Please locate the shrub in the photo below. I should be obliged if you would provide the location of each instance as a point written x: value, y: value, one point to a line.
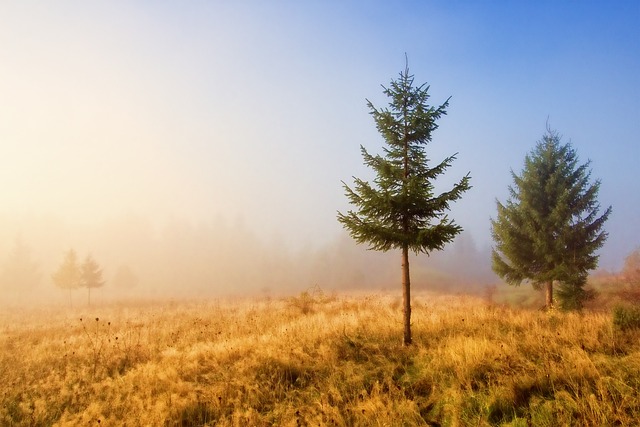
x: 307, y: 301
x: 626, y: 317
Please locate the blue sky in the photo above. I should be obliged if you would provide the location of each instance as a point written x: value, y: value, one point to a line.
x: 255, y: 111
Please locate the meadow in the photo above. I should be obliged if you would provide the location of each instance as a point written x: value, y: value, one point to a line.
x: 316, y: 359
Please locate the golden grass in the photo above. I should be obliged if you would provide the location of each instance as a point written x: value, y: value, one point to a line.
x: 316, y: 360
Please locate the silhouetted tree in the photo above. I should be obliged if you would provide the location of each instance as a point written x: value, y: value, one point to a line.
x: 90, y: 276
x: 400, y: 210
x: 549, y: 229
x: 68, y: 275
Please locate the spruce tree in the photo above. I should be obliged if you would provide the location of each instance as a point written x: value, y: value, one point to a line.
x: 400, y: 210
x: 549, y: 230
x: 90, y: 276
x: 68, y: 274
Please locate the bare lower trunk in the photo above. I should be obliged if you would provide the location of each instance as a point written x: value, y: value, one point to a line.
x: 549, y: 294
x: 406, y: 295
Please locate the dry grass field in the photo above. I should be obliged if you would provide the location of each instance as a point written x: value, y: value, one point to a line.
x: 316, y: 359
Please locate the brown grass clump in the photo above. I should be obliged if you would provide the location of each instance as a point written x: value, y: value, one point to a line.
x: 317, y: 360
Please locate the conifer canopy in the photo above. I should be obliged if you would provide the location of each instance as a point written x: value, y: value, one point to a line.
x: 67, y: 276
x: 91, y: 276
x: 400, y: 208
x: 549, y: 229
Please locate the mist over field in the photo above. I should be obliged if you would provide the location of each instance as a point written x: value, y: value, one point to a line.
x: 219, y: 258
x: 199, y: 149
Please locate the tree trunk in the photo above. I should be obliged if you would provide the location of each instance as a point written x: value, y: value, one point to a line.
x: 549, y: 295
x: 89, y: 295
x: 406, y: 295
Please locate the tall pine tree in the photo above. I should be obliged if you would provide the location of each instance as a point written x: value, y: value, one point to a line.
x: 400, y: 210
x: 549, y: 229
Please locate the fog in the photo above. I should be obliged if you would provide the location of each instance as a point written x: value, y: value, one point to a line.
x: 216, y: 259
x: 199, y: 148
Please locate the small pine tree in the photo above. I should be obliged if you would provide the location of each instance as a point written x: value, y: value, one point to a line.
x: 401, y: 211
x: 549, y: 229
x: 68, y: 274
x: 90, y: 276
